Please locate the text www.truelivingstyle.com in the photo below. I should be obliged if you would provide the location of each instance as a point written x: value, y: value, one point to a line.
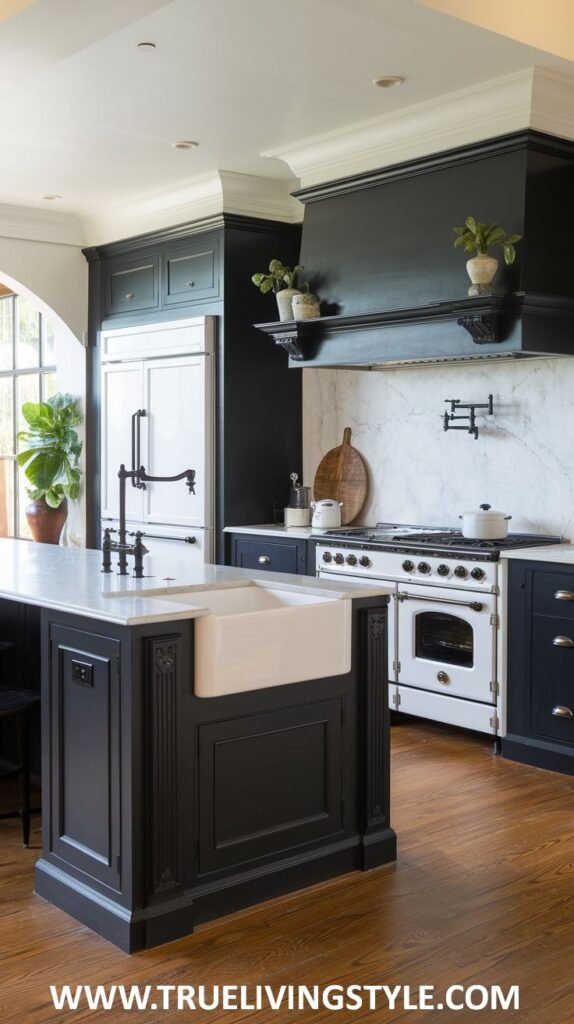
x: 284, y: 997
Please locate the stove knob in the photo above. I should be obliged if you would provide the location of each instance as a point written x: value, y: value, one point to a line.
x: 478, y: 574
x: 423, y: 567
x: 461, y: 572
x: 443, y: 570
x: 408, y: 566
x: 339, y: 558
x: 327, y: 556
x: 351, y: 559
x: 365, y: 561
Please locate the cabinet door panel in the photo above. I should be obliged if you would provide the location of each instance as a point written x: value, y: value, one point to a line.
x: 132, y: 286
x: 269, y: 782
x: 552, y: 678
x: 177, y: 429
x: 84, y: 678
x: 122, y: 395
x: 191, y: 274
x: 553, y: 594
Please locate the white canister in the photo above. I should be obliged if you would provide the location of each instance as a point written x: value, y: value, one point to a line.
x: 295, y: 517
x: 484, y: 523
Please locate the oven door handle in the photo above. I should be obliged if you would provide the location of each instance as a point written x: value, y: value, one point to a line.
x: 475, y: 606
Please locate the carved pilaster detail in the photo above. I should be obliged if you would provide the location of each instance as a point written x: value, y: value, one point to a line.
x: 162, y: 753
x: 376, y: 735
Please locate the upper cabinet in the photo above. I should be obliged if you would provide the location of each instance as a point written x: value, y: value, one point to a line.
x: 191, y: 273
x: 131, y: 286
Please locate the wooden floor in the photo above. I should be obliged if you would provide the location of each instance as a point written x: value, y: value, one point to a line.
x: 482, y: 893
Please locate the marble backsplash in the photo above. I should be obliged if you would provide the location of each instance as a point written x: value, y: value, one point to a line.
x: 522, y: 462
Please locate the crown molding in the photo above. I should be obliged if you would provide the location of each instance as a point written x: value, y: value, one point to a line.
x: 207, y: 196
x: 29, y: 224
x: 553, y: 104
x: 497, y: 107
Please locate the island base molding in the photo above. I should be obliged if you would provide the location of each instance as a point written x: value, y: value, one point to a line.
x: 162, y: 810
x: 131, y: 931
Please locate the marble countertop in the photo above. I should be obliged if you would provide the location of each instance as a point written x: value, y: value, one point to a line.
x: 278, y: 530
x: 561, y: 554
x: 70, y: 580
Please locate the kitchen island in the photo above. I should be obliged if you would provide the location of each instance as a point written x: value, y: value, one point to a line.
x: 163, y: 808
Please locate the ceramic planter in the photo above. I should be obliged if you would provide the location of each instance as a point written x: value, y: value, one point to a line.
x: 306, y: 307
x: 482, y: 270
x: 46, y: 524
x: 285, y: 302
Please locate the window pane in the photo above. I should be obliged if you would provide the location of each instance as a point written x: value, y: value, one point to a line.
x: 48, y: 385
x: 6, y: 416
x: 6, y: 321
x: 6, y: 498
x: 27, y: 390
x: 49, y: 350
x: 23, y: 501
x: 28, y: 340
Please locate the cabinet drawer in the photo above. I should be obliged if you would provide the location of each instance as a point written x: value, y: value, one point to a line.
x: 191, y: 274
x: 132, y: 286
x: 551, y: 594
x: 270, y: 555
x: 552, y: 678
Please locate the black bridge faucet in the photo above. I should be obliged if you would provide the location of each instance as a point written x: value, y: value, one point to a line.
x: 139, y: 477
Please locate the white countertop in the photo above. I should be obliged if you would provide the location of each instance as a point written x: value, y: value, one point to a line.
x: 70, y: 580
x: 278, y: 530
x: 561, y: 554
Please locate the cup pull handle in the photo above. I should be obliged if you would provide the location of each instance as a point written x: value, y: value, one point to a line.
x: 562, y: 712
x: 564, y: 595
x: 563, y: 641
x: 264, y: 560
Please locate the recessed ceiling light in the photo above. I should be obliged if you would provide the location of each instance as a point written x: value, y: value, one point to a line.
x: 185, y: 144
x: 388, y: 81
x: 146, y: 46
x: 52, y: 196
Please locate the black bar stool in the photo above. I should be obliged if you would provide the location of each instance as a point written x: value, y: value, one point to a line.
x: 18, y: 704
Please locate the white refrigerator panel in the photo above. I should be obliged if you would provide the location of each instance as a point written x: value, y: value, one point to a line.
x: 122, y: 394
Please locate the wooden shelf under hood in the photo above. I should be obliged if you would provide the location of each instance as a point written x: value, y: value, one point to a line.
x: 509, y: 325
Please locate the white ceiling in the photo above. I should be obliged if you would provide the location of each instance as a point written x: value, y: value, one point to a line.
x: 87, y: 115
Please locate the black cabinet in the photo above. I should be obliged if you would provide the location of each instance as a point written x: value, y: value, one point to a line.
x: 540, y: 727
x: 191, y: 273
x: 269, y: 782
x: 274, y: 554
x: 131, y: 286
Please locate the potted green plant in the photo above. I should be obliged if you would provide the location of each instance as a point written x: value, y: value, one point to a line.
x: 478, y: 237
x: 50, y: 458
x: 306, y: 305
x: 283, y: 281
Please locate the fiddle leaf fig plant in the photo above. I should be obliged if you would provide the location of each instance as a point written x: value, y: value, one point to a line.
x: 278, y: 277
x: 51, y: 453
x: 478, y: 237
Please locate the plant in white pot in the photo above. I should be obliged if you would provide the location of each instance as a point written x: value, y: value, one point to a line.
x: 478, y: 237
x: 306, y: 306
x: 283, y: 281
x: 50, y: 457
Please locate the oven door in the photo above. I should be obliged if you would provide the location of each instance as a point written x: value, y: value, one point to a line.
x: 446, y: 641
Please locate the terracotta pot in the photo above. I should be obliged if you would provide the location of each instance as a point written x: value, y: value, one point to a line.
x: 46, y: 524
x: 285, y: 302
x: 482, y: 270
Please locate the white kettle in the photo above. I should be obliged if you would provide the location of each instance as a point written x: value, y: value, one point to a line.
x: 326, y: 514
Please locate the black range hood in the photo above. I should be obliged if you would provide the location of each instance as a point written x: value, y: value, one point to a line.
x: 378, y: 249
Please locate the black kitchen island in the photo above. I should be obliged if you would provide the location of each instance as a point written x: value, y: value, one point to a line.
x: 163, y: 809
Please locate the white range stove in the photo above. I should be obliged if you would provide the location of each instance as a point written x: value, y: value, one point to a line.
x: 447, y: 643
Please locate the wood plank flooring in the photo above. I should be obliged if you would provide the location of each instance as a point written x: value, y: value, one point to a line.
x: 482, y: 893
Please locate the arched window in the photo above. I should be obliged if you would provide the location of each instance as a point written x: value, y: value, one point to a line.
x: 27, y: 374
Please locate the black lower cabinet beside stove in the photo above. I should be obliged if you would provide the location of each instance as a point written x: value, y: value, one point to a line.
x: 540, y: 728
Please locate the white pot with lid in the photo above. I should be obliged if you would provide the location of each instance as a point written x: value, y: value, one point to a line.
x: 484, y: 523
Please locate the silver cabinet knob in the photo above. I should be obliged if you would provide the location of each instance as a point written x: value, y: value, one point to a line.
x: 562, y: 712
x: 264, y: 560
x: 564, y: 595
x: 443, y: 677
x: 129, y: 296
x: 190, y: 284
x: 563, y: 641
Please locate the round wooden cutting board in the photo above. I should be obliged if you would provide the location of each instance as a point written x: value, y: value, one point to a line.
x: 342, y: 475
